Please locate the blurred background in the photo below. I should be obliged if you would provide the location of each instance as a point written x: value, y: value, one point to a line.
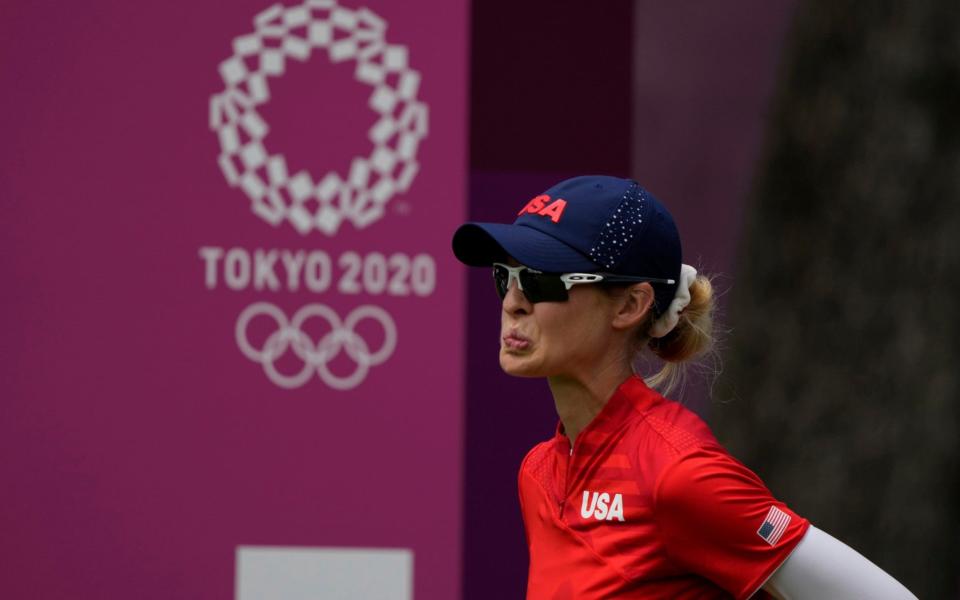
x: 809, y: 151
x: 239, y: 360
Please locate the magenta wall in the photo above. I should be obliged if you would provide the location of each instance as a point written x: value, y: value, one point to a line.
x: 140, y: 446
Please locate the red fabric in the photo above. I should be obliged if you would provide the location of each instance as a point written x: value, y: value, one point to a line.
x: 648, y: 506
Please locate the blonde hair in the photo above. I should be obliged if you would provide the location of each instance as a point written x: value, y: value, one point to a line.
x: 692, y: 339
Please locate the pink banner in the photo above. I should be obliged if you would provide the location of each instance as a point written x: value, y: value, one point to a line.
x: 231, y: 318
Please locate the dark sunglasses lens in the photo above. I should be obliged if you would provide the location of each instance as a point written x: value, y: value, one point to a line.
x: 543, y: 287
x: 501, y: 277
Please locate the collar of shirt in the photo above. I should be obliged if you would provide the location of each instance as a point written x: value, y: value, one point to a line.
x: 629, y: 401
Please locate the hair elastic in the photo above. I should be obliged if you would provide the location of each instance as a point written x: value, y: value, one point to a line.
x: 670, y: 317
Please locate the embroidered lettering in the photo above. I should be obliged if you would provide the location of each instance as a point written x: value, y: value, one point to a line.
x: 616, y: 508
x: 601, y: 507
x: 585, y: 512
x: 555, y: 210
x: 541, y: 205
x: 535, y: 205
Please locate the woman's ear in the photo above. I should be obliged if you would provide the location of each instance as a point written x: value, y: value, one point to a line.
x: 632, y: 307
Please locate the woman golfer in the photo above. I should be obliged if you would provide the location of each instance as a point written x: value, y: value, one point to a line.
x: 633, y: 497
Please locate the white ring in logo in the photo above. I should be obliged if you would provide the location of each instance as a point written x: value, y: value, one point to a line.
x: 316, y: 357
x: 345, y: 34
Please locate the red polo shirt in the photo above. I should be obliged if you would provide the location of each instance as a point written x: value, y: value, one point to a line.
x: 648, y: 505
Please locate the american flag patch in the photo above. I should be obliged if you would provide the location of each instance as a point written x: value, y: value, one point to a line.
x: 774, y: 525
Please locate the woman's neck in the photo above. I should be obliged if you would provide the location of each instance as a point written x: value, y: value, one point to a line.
x: 580, y: 399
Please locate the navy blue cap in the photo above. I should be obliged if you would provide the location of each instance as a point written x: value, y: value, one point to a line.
x: 587, y: 224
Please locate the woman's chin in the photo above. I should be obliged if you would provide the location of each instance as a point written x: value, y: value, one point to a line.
x: 519, y: 365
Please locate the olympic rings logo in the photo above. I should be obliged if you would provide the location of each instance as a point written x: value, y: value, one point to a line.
x: 316, y: 357
x: 373, y: 180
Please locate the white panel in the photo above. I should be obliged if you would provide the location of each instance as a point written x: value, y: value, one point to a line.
x: 285, y: 573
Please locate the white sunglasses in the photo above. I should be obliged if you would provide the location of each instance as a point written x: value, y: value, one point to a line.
x: 538, y: 286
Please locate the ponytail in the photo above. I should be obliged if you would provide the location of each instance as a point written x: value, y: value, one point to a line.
x: 693, y: 337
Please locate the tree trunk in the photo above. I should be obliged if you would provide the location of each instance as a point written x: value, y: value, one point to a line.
x: 841, y: 386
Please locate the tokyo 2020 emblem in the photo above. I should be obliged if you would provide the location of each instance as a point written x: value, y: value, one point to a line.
x: 294, y: 33
x: 319, y: 202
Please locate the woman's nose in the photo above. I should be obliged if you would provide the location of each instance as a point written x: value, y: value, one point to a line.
x: 515, y: 302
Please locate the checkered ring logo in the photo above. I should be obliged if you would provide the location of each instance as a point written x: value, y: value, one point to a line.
x: 293, y: 33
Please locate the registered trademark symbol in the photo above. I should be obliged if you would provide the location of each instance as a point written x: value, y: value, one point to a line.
x: 402, y: 207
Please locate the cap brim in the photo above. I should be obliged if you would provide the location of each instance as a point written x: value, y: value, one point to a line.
x: 482, y: 244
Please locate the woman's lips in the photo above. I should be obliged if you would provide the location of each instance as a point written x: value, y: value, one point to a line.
x: 515, y: 341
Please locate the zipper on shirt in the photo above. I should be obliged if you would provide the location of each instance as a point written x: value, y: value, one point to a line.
x: 566, y: 482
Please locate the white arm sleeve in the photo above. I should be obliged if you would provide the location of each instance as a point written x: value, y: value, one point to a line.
x: 822, y: 566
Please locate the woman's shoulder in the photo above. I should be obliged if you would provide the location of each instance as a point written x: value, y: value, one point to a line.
x: 665, y: 433
x: 659, y: 422
x: 538, y: 456
x: 674, y: 427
